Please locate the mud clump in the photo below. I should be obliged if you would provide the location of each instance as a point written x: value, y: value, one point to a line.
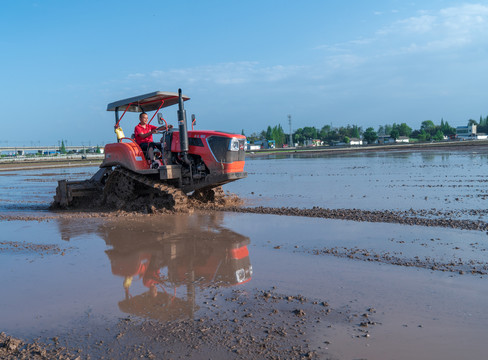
x: 14, y: 349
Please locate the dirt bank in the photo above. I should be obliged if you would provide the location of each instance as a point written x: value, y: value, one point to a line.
x: 15, y: 165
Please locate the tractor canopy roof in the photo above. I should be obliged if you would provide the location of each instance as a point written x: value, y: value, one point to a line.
x: 147, y: 102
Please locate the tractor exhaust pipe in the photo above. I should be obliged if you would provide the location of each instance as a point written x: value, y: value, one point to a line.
x: 182, y: 128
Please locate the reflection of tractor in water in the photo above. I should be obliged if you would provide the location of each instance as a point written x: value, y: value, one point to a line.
x: 185, y: 257
x: 195, y: 161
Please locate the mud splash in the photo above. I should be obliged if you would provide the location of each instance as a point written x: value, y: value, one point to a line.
x: 120, y: 195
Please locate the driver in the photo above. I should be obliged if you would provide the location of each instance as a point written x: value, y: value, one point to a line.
x: 143, y: 133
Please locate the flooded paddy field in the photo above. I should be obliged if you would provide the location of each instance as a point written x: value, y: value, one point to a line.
x: 319, y: 262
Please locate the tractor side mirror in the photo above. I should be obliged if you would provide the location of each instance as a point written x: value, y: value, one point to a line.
x: 193, y: 119
x: 160, y: 119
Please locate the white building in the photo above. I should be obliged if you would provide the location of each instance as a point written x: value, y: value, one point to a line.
x: 355, y: 141
x: 466, y: 132
x: 402, y: 139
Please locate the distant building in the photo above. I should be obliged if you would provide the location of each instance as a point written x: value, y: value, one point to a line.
x: 466, y: 132
x: 355, y: 142
x: 402, y: 139
x: 314, y: 142
x: 385, y: 139
x: 252, y: 147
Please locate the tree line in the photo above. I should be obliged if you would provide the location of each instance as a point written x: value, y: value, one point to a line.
x: 328, y: 134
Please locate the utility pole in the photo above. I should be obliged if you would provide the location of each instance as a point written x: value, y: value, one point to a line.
x: 290, y: 140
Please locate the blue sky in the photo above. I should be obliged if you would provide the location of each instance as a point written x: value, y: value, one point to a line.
x: 245, y: 64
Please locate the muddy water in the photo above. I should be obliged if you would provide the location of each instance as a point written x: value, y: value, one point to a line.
x: 393, y: 291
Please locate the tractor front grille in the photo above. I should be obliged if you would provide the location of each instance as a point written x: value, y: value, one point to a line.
x: 221, y: 149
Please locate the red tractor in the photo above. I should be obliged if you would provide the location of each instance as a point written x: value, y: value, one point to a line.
x: 191, y: 162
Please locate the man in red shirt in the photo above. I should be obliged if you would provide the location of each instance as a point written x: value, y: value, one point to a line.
x: 143, y: 133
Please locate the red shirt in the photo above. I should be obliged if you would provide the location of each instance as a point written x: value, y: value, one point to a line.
x: 140, y: 130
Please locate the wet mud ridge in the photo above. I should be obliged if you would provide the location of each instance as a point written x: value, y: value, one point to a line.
x: 220, y: 201
x: 384, y: 216
x: 459, y: 266
x: 25, y: 247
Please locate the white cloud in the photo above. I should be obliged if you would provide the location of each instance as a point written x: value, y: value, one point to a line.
x: 135, y: 76
x: 445, y: 29
x: 459, y: 28
x: 233, y: 73
x: 376, y: 63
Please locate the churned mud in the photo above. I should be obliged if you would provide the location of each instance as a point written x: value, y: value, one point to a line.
x: 13, y: 349
x: 253, y: 324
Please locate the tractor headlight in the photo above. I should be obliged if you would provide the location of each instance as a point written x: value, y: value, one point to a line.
x: 240, y: 275
x: 234, y: 145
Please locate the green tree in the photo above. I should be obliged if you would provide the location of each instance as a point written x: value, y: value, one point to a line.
x: 253, y: 137
x: 62, y: 148
x: 324, y: 132
x: 438, y: 136
x: 355, y: 131
x: 269, y: 133
x: 310, y: 132
x: 428, y: 126
x: 394, y: 133
x: 423, y: 135
x: 403, y: 129
x: 483, y: 125
x: 446, y: 128
x: 278, y: 135
x: 370, y: 135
